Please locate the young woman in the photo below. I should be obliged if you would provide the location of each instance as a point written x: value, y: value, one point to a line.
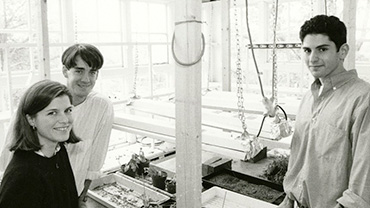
x: 39, y: 174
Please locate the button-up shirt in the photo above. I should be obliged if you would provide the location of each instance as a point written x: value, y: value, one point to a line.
x: 330, y: 149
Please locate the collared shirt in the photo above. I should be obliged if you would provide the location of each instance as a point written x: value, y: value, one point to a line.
x: 330, y: 148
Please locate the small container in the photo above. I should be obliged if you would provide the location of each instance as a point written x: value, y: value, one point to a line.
x: 128, y: 171
x: 261, y: 155
x: 171, y: 186
x: 159, y: 181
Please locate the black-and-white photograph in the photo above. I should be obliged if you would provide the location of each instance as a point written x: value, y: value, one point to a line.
x: 184, y: 104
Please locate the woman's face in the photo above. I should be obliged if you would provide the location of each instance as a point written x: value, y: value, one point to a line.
x: 54, y: 122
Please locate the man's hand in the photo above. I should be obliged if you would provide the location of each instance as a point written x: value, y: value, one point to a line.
x: 287, y: 203
x: 269, y: 106
x: 86, y: 188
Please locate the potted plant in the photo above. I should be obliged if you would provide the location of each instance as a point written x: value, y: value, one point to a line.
x: 276, y: 170
x: 171, y: 185
x: 131, y: 167
x: 158, y: 177
x: 142, y: 162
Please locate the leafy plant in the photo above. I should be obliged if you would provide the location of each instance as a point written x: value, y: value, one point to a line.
x: 276, y: 170
x: 171, y: 185
x: 131, y: 167
x: 156, y: 172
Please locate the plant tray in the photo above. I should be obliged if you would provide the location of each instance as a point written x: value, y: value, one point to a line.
x: 217, y: 197
x: 147, y: 182
x: 246, y: 185
x: 116, y: 191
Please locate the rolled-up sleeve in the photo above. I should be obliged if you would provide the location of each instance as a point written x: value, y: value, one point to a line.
x: 358, y: 192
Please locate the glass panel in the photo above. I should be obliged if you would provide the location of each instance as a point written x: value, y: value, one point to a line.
x: 15, y: 14
x: 363, y: 52
x: 159, y: 54
x: 140, y: 55
x: 139, y: 17
x: 54, y: 16
x: 157, y: 18
x: 109, y: 37
x: 19, y: 59
x: 158, y: 38
x: 15, y: 37
x: 86, y: 14
x: 109, y: 16
x: 112, y: 55
x: 87, y: 37
x: 55, y: 59
x: 55, y: 37
x: 140, y: 37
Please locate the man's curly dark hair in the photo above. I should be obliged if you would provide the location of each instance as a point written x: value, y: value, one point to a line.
x: 326, y: 25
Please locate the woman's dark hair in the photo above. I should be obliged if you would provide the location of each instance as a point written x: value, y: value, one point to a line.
x: 88, y: 53
x: 327, y: 25
x: 35, y: 99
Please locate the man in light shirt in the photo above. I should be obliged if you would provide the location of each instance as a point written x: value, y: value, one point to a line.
x: 329, y: 162
x: 92, y: 113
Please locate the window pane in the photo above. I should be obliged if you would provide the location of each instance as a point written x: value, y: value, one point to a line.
x: 87, y: 37
x: 109, y: 37
x: 112, y: 55
x: 54, y: 16
x: 55, y: 59
x: 141, y: 55
x: 109, y: 16
x: 158, y: 38
x: 158, y: 18
x: 14, y: 14
x: 160, y: 54
x: 86, y: 15
x: 139, y: 17
x: 19, y: 59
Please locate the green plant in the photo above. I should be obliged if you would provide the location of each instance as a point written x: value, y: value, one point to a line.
x: 131, y: 167
x: 276, y: 170
x: 171, y: 185
x: 153, y: 171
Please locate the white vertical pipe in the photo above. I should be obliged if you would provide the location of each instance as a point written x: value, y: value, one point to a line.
x: 226, y: 51
x: 43, y: 42
x: 349, y: 18
x: 9, y: 80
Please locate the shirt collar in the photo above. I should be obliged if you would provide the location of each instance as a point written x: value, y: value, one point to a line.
x: 334, y: 82
x: 57, y: 148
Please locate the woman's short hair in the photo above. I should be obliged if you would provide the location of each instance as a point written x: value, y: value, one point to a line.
x: 35, y: 99
x: 88, y: 53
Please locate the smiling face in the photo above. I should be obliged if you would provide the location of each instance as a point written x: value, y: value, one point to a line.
x: 321, y: 56
x: 80, y: 80
x: 54, y: 122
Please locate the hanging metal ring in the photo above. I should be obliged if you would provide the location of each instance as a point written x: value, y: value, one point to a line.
x: 182, y: 63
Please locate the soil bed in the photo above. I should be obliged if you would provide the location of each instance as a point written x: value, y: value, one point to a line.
x: 244, y: 184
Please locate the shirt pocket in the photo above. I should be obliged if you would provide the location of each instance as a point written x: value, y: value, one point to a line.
x: 330, y: 142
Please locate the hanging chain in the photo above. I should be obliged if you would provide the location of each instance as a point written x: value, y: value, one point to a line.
x: 75, y: 22
x: 274, y: 59
x: 312, y: 10
x: 136, y: 70
x: 210, y: 47
x: 239, y: 75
